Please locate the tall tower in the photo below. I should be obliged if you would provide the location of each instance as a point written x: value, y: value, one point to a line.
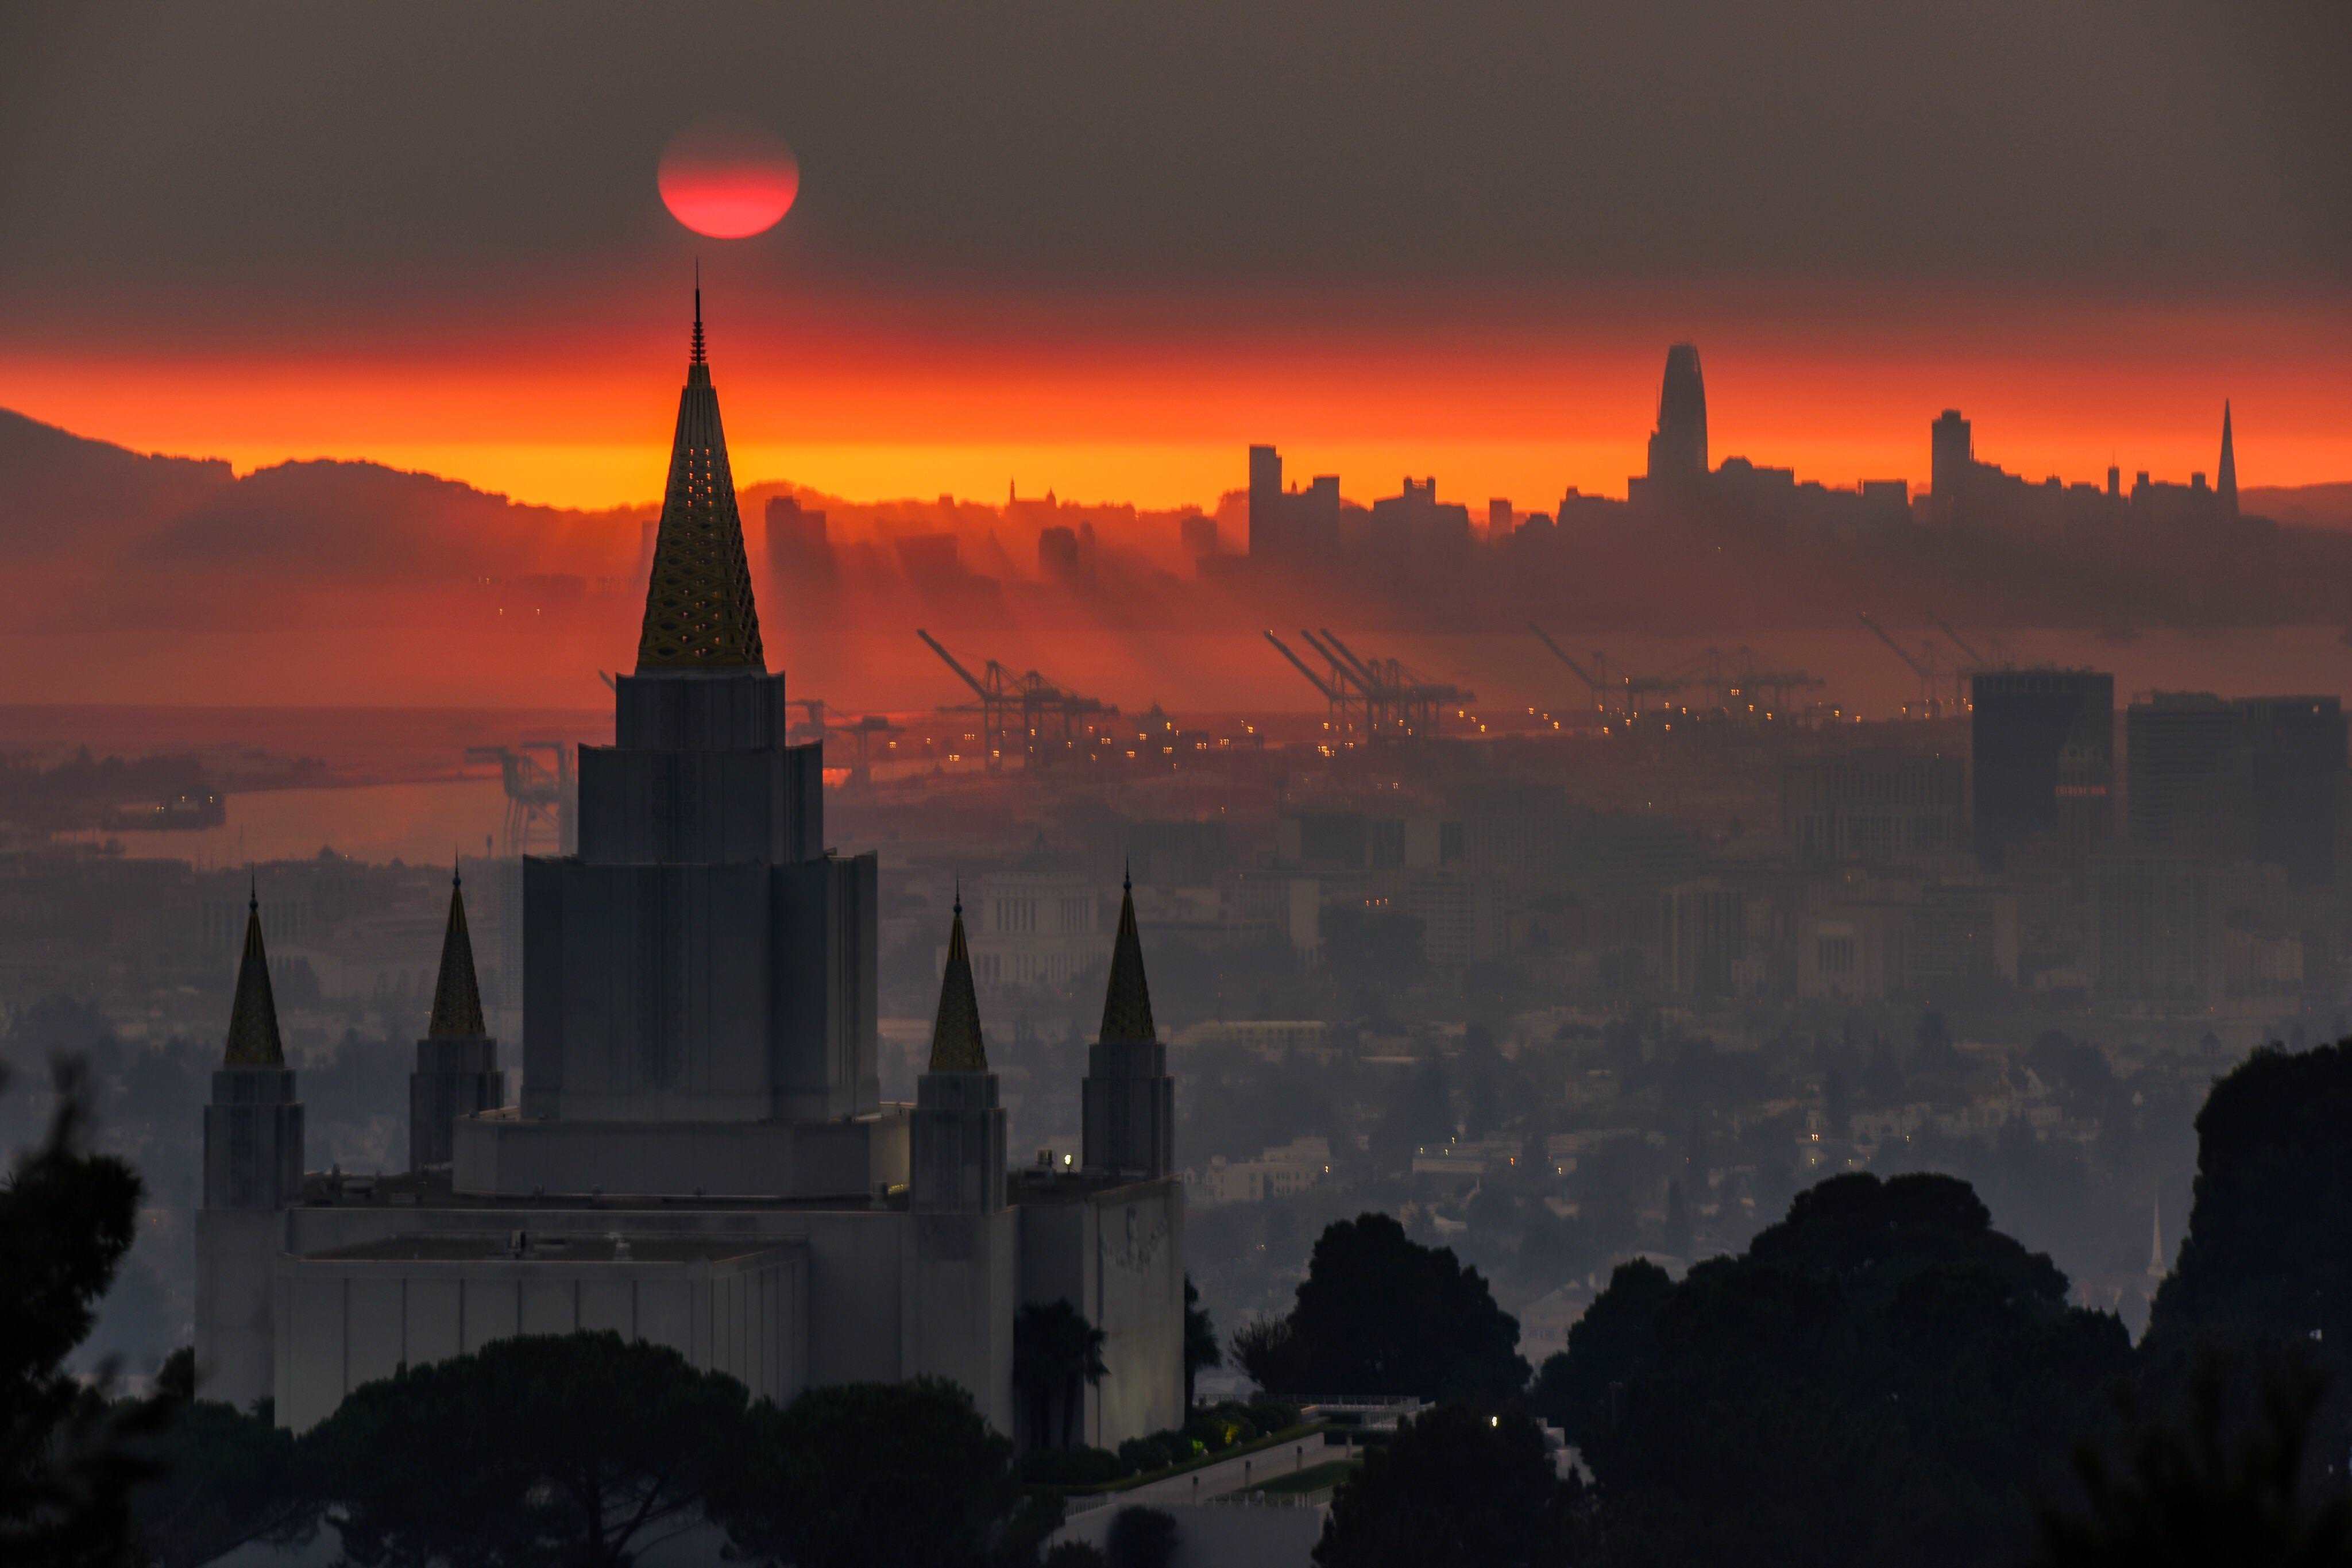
x: 253, y: 1173
x: 1952, y: 458
x: 457, y: 1061
x: 1129, y: 1101
x: 957, y: 1133
x: 2225, y: 485
x: 702, y: 963
x: 1267, y: 536
x: 1678, y: 446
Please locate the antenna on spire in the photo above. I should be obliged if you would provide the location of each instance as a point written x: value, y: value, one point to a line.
x: 697, y: 313
x: 253, y: 890
x: 958, y: 893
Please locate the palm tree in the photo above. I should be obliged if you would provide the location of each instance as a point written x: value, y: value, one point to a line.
x: 1055, y: 1353
x: 1201, y: 1348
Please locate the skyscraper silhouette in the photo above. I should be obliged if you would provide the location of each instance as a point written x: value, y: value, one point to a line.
x: 1678, y: 446
x: 2226, y: 483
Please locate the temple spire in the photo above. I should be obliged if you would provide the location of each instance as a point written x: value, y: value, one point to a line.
x: 699, y: 612
x: 1127, y: 1007
x: 458, y: 996
x: 956, y: 1044
x: 252, y: 1039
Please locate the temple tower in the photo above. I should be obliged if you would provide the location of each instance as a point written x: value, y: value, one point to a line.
x: 702, y: 959
x: 1128, y: 1099
x: 963, y: 1267
x: 253, y: 1173
x: 457, y: 1061
x: 957, y: 1131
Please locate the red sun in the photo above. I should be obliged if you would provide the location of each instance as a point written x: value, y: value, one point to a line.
x: 728, y: 180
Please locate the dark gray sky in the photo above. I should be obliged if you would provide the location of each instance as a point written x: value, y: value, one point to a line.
x: 2122, y: 145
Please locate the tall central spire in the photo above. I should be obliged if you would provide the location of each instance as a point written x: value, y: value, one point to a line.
x: 699, y: 612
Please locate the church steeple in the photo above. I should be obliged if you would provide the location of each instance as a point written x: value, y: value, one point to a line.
x: 252, y: 1039
x: 956, y: 1043
x: 699, y: 611
x: 1127, y: 1006
x: 458, y: 996
x: 2225, y: 483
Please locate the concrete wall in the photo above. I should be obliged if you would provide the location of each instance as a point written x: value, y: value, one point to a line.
x: 844, y: 1161
x: 235, y: 1251
x: 856, y: 1274
x: 961, y: 1273
x: 1118, y: 1254
x: 343, y: 1322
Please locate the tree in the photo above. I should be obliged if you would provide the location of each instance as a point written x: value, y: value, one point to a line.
x: 224, y: 1477
x: 1456, y: 1489
x: 1881, y: 1376
x: 1140, y: 1538
x: 873, y: 1475
x: 1614, y: 1339
x: 580, y: 1450
x: 2263, y: 1265
x: 1379, y: 1313
x: 1200, y: 1351
x: 2187, y: 1496
x: 69, y: 1458
x: 1056, y: 1354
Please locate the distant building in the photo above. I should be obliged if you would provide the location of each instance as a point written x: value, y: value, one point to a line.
x: 2225, y: 484
x: 1678, y: 444
x: 1030, y: 928
x: 1881, y: 808
x: 1952, y: 464
x: 2260, y: 778
x: 2042, y: 751
x: 1291, y: 526
x: 1703, y: 938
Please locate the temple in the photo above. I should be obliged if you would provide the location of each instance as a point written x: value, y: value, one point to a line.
x: 699, y: 1154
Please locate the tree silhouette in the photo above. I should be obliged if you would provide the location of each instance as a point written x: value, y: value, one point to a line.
x: 69, y: 1458
x: 1380, y: 1314
x: 1201, y: 1350
x: 871, y: 1475
x: 1056, y: 1354
x: 2187, y: 1496
x: 1456, y: 1489
x: 579, y: 1449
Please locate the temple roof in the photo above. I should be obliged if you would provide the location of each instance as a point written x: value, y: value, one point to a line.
x: 456, y: 996
x: 699, y: 612
x: 252, y: 1039
x: 956, y: 1044
x: 1127, y: 1007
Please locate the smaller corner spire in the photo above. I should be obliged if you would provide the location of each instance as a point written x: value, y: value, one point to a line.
x: 1127, y: 1004
x: 252, y: 1039
x: 456, y: 993
x: 956, y: 1043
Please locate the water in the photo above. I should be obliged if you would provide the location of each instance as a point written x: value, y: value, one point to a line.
x: 416, y: 821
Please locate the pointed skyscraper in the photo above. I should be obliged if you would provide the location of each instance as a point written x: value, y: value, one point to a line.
x: 1678, y: 444
x: 699, y: 613
x: 457, y: 1061
x: 253, y: 1172
x: 2225, y: 485
x: 1129, y: 1101
x: 958, y: 1132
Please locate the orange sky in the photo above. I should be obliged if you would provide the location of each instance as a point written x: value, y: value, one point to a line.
x: 866, y: 394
